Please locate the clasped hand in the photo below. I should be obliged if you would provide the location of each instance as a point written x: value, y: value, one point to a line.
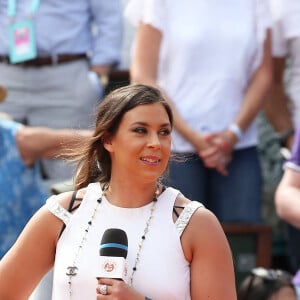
x: 216, y: 150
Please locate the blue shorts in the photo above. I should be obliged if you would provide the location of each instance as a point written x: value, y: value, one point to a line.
x: 235, y: 198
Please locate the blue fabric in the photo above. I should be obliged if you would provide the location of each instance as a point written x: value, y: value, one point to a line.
x: 22, y: 189
x: 233, y: 198
x: 64, y: 27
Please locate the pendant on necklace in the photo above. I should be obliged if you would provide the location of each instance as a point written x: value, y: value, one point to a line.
x: 71, y: 271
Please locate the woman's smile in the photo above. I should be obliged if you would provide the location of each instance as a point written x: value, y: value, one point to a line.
x: 151, y: 160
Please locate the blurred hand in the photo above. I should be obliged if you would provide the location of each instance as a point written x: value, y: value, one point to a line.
x: 217, y: 152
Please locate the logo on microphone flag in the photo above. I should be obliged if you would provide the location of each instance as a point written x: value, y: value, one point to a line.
x: 112, y: 267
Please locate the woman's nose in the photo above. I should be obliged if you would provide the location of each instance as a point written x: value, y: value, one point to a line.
x: 154, y: 140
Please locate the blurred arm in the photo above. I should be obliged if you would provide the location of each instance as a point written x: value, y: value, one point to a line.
x: 276, y: 107
x: 42, y: 142
x: 257, y: 90
x: 287, y: 197
x: 107, y: 39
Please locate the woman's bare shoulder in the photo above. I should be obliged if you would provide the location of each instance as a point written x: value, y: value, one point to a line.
x: 64, y: 199
x: 201, y: 219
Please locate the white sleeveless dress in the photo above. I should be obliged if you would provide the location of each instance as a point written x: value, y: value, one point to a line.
x: 162, y: 273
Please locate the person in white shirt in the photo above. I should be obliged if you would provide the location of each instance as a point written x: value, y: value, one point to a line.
x: 283, y: 107
x: 214, y: 64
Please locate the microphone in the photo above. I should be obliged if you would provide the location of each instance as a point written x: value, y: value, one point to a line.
x: 113, y: 253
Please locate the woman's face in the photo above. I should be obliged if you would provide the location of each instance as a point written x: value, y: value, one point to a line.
x: 141, y: 146
x: 285, y: 293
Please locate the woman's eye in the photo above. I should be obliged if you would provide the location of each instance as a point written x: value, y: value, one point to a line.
x: 165, y: 132
x: 140, y: 130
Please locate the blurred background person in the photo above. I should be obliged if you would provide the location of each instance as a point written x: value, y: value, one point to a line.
x: 214, y: 65
x: 55, y: 68
x: 267, y: 284
x: 23, y: 190
x: 21, y: 184
x: 282, y: 110
x: 287, y: 199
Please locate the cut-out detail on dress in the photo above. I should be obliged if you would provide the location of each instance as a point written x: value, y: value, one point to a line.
x: 55, y: 208
x: 186, y: 215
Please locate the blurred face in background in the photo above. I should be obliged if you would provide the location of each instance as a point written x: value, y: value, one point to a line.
x: 284, y: 293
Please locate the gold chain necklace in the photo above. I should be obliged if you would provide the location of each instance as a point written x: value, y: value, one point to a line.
x: 72, y: 270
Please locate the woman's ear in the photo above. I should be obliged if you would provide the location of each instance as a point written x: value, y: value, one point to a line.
x: 107, y: 144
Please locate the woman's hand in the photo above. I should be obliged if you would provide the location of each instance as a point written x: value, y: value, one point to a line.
x: 116, y: 289
x: 217, y: 152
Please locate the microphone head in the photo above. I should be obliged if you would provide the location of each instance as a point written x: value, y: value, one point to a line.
x: 114, y: 243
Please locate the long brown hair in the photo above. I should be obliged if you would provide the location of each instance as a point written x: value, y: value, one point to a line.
x: 93, y: 160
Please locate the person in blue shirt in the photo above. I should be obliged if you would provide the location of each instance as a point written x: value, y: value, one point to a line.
x: 23, y: 189
x: 54, y: 58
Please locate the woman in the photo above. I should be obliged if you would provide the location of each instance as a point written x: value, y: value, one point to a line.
x: 288, y: 191
x: 118, y: 182
x: 213, y: 63
x: 286, y: 198
x: 283, y: 108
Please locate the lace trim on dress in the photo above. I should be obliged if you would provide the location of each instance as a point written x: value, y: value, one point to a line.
x: 56, y: 209
x: 186, y: 215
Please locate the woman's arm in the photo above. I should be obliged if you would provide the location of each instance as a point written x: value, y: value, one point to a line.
x: 41, y: 142
x: 257, y: 90
x: 31, y: 256
x: 287, y: 197
x: 206, y: 247
x: 276, y: 107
